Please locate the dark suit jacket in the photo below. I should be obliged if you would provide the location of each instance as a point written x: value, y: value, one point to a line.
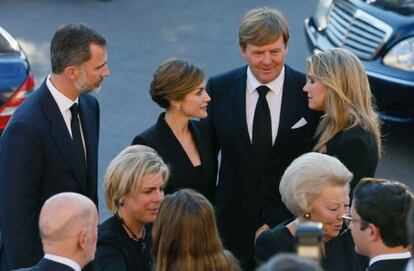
x: 38, y: 159
x: 47, y: 265
x: 246, y: 196
x: 161, y: 138
x: 389, y: 265
x: 357, y: 150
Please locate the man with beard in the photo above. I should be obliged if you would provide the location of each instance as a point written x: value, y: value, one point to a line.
x: 51, y: 143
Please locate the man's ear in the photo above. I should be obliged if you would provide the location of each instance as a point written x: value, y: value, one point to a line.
x: 82, y: 240
x: 71, y: 72
x: 374, y: 232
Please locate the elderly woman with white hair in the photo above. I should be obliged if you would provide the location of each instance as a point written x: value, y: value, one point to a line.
x: 315, y: 187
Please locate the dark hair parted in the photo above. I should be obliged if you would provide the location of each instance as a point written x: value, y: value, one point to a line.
x: 70, y: 45
x: 385, y: 204
x: 185, y: 235
x: 173, y: 80
x: 262, y: 26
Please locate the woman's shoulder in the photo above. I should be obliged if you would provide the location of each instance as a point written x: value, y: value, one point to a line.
x: 277, y: 240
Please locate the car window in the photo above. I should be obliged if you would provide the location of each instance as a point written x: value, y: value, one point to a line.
x: 5, y: 47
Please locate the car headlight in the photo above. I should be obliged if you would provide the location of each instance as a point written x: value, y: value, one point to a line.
x: 401, y: 56
x: 321, y: 14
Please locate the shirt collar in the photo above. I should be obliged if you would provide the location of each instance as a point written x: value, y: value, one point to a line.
x: 63, y: 260
x: 275, y: 86
x: 391, y: 256
x: 63, y: 102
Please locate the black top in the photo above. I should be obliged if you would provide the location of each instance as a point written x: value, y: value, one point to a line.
x: 116, y: 251
x: 357, y: 150
x: 183, y: 174
x: 340, y: 253
x: 389, y: 265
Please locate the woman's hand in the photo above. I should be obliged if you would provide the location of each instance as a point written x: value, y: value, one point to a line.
x: 260, y: 230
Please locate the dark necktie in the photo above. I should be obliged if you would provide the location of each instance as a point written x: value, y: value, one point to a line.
x: 262, y: 128
x: 76, y: 133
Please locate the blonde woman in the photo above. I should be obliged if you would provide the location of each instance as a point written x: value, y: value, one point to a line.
x: 134, y: 189
x: 185, y: 236
x: 179, y: 87
x: 349, y: 130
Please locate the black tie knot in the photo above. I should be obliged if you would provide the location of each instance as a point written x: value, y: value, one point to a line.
x: 74, y: 110
x: 263, y: 90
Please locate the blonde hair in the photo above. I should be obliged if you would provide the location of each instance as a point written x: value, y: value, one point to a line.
x: 173, y: 80
x: 126, y: 171
x: 185, y: 236
x: 348, y: 101
x: 262, y: 26
x: 305, y: 178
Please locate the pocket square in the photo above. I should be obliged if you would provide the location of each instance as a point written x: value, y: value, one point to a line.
x: 300, y: 123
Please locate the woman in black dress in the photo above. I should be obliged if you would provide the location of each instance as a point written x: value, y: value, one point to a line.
x: 179, y: 87
x: 315, y: 187
x: 134, y: 189
x: 349, y: 130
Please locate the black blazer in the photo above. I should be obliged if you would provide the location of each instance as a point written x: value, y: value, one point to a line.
x: 340, y: 252
x: 183, y: 175
x: 357, y: 150
x: 38, y: 159
x: 116, y: 251
x: 389, y: 265
x: 246, y: 196
x: 47, y: 265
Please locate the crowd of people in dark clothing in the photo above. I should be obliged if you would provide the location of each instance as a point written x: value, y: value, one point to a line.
x: 224, y: 178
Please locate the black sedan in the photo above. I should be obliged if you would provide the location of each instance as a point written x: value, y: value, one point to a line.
x: 381, y: 34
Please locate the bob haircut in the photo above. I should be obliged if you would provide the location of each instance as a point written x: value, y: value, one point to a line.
x: 173, y: 80
x: 126, y: 171
x: 185, y: 235
x: 262, y: 26
x: 306, y: 177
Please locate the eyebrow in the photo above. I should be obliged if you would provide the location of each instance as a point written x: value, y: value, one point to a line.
x: 106, y: 62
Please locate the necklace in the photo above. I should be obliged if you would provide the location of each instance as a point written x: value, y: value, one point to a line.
x: 130, y: 233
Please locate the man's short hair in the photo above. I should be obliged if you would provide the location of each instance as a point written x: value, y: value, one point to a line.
x: 70, y: 45
x: 385, y: 204
x: 262, y: 26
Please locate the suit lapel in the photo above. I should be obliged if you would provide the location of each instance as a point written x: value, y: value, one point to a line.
x: 173, y: 147
x: 89, y: 133
x: 60, y: 135
x: 289, y: 107
x: 240, y: 117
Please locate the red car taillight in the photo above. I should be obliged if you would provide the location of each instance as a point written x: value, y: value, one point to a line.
x: 7, y: 110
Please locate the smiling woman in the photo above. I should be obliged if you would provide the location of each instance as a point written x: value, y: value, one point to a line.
x: 315, y: 188
x: 134, y: 189
x: 179, y: 87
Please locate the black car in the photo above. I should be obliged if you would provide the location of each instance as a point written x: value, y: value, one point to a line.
x: 16, y: 78
x: 381, y: 34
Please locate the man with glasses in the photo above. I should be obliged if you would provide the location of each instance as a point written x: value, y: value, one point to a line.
x: 377, y: 222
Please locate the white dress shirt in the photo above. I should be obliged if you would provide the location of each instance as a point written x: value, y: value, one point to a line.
x: 391, y: 256
x: 72, y: 264
x: 64, y: 104
x: 273, y: 98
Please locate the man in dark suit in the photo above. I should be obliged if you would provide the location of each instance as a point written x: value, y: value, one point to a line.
x: 68, y: 226
x: 378, y: 223
x: 51, y: 143
x: 259, y: 120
